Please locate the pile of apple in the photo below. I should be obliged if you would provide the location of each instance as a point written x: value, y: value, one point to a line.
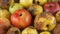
x: 29, y: 16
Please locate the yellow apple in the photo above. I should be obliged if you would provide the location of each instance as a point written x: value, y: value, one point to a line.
x: 29, y: 31
x: 41, y: 2
x: 58, y: 16
x: 35, y: 9
x: 45, y: 32
x: 26, y: 3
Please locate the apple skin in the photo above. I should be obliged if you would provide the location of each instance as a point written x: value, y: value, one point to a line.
x: 14, y: 7
x: 52, y: 7
x: 14, y: 30
x: 40, y: 2
x: 5, y: 13
x: 6, y: 3
x: 29, y: 31
x: 21, y: 18
x: 35, y: 9
x: 4, y: 25
x: 45, y: 32
x: 58, y: 16
x: 45, y: 21
x: 26, y: 3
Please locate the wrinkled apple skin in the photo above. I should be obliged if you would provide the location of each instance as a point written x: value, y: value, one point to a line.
x: 4, y: 13
x: 26, y: 3
x: 29, y: 31
x: 58, y: 16
x: 45, y: 32
x: 21, y: 18
x: 45, y: 21
x: 35, y: 9
x: 40, y: 2
x: 13, y: 30
x: 6, y: 3
x: 51, y: 7
x: 14, y: 7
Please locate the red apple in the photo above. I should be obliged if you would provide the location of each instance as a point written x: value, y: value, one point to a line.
x: 21, y: 18
x: 52, y: 7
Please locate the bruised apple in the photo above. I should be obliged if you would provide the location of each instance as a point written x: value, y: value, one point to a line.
x: 4, y: 25
x: 45, y: 21
x: 13, y: 30
x: 35, y: 9
x: 29, y: 31
x: 4, y: 13
x: 6, y: 3
x: 21, y: 18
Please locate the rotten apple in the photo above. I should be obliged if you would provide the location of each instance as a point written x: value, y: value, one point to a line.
x: 6, y: 3
x: 21, y: 18
x: 14, y: 30
x: 52, y: 7
x: 35, y: 9
x: 45, y: 21
x: 4, y: 25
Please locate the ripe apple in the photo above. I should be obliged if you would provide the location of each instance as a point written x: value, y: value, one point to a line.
x: 13, y: 30
x: 58, y: 16
x: 26, y: 3
x: 14, y: 7
x: 52, y: 7
x: 4, y: 25
x: 6, y: 3
x: 35, y: 9
x: 21, y: 18
x: 45, y: 21
x: 4, y: 13
x: 45, y: 32
x: 40, y: 2
x: 29, y: 31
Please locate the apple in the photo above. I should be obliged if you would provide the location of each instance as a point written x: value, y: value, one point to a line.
x: 58, y: 16
x: 21, y: 18
x: 54, y: 1
x: 6, y: 3
x: 26, y: 3
x: 45, y: 32
x: 4, y: 25
x: 29, y: 30
x: 45, y: 21
x: 40, y: 2
x: 4, y: 13
x: 14, y: 7
x: 14, y: 30
x: 35, y: 9
x: 52, y: 7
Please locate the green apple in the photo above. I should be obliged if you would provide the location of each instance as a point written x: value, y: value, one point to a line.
x: 26, y: 3
x: 4, y: 13
x: 41, y: 2
x: 14, y: 7
x: 35, y: 9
